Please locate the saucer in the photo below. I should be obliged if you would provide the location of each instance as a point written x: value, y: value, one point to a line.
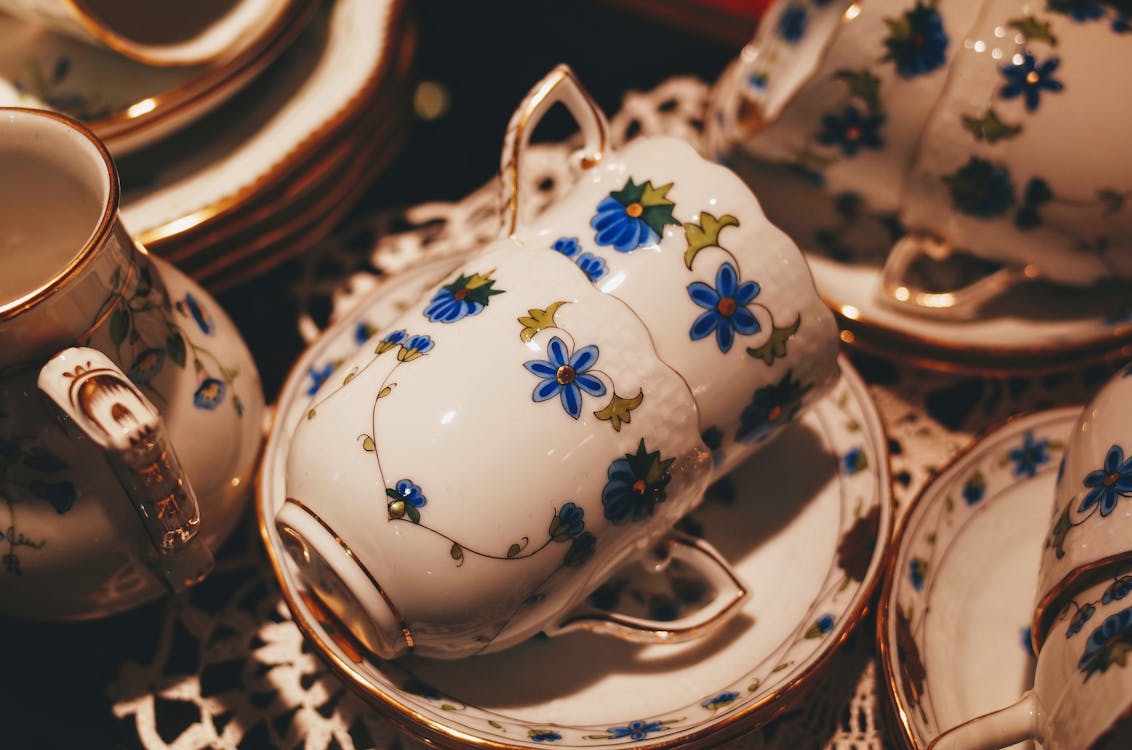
x: 810, y: 541
x: 126, y: 103
x: 954, y: 617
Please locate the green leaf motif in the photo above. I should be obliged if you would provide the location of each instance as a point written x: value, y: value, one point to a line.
x: 862, y: 85
x: 457, y: 553
x: 119, y: 325
x: 1060, y: 531
x: 619, y: 410
x: 775, y: 346
x: 1033, y: 29
x: 538, y: 320
x: 476, y: 287
x: 705, y: 234
x: 412, y: 512
x: 988, y: 127
x: 656, y: 209
x: 370, y: 447
x: 513, y: 550
x: 175, y: 347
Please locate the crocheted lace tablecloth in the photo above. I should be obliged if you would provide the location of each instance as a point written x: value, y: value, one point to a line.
x: 231, y: 669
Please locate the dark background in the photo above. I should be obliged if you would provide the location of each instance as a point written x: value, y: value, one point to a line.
x: 486, y: 55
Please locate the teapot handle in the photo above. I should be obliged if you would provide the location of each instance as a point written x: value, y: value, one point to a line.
x: 730, y: 593
x: 1001, y: 728
x: 103, y: 404
x: 559, y: 86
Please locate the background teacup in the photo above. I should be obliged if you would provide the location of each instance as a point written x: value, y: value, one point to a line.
x: 1091, y: 528
x: 1082, y: 692
x: 952, y: 126
x: 190, y: 33
x: 542, y: 410
x: 97, y: 513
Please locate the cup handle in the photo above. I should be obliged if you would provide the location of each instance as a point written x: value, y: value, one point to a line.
x: 559, y: 86
x: 1001, y: 728
x: 960, y: 303
x: 102, y: 403
x: 707, y: 562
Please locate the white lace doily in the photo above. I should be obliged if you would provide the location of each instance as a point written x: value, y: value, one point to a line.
x: 255, y: 683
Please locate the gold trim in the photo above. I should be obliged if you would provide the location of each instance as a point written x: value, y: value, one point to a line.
x: 1060, y: 593
x: 406, y: 633
x: 414, y: 724
x: 887, y: 656
x: 294, y: 159
x: 98, y: 237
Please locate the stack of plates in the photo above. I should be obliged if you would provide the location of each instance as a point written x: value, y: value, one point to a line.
x: 223, y: 185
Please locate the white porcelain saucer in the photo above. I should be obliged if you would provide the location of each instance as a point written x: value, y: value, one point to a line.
x: 126, y: 103
x: 807, y: 522
x: 954, y: 616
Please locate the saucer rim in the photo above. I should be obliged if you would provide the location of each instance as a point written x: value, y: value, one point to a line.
x: 417, y: 725
x: 898, y: 711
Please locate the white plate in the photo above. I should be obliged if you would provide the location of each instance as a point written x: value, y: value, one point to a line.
x: 954, y: 618
x: 808, y: 528
x: 126, y: 103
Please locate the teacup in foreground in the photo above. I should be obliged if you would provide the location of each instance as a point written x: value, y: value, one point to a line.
x: 125, y: 497
x: 553, y: 407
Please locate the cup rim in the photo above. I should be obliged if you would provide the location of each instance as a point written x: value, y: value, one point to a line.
x: 82, y: 258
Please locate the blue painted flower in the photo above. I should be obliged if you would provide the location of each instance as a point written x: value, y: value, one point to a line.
x: 414, y: 347
x: 635, y: 730
x: 581, y: 550
x: 1029, y: 79
x: 726, y: 305
x: 1080, y: 617
x: 771, y: 405
x: 825, y: 624
x: 1027, y: 640
x: 852, y: 130
x: 633, y: 216
x: 757, y: 81
x: 981, y: 188
x: 391, y: 340
x: 917, y: 572
x: 544, y: 735
x: 568, y: 246
x: 467, y: 295
x: 719, y: 701
x: 1036, y: 195
x: 1109, y: 483
x: 411, y: 493
x: 318, y: 376
x: 592, y: 266
x: 1107, y: 645
x: 637, y: 483
x: 1029, y: 456
x: 405, y: 499
x: 1117, y: 590
x: 362, y: 332
x: 917, y: 43
x: 567, y: 523
x: 1079, y: 10
x: 199, y: 314
x: 855, y: 460
x: 974, y: 488
x: 209, y: 393
x: 147, y: 365
x: 792, y: 24
x: 565, y: 375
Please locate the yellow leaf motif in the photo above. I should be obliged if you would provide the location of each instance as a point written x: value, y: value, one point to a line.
x: 705, y: 234
x: 479, y: 279
x: 368, y: 445
x: 538, y: 320
x: 617, y: 411
x: 386, y: 391
x: 656, y: 196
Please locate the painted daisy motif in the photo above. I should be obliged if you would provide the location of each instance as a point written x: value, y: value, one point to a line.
x: 564, y: 374
x: 726, y: 306
x: 633, y: 216
x: 467, y: 295
x: 1109, y: 483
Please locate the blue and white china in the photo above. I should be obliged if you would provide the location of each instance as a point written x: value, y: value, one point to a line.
x: 124, y: 499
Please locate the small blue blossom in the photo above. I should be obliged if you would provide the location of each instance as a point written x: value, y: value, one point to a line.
x: 568, y: 246
x: 592, y: 266
x: 567, y: 523
x: 792, y: 24
x: 1080, y: 617
x: 318, y: 376
x: 757, y: 81
x: 411, y: 493
x: 1079, y: 10
x: 565, y: 375
x: 362, y: 332
x: 917, y: 43
x: 1108, y: 644
x: 544, y: 735
x: 719, y: 701
x: 390, y: 341
x: 981, y: 188
x: 917, y: 572
x: 1029, y: 456
x: 467, y: 295
x: 209, y: 393
x: 974, y: 488
x: 854, y: 461
x: 1027, y: 640
x: 1109, y: 483
x: 1029, y: 79
x: 825, y: 624
x: 414, y: 347
x: 726, y: 305
x: 635, y: 730
x: 852, y: 131
x: 1117, y: 590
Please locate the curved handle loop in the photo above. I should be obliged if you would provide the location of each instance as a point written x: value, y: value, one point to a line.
x: 955, y: 304
x: 559, y: 86
x: 1001, y: 728
x: 110, y: 410
x: 730, y: 593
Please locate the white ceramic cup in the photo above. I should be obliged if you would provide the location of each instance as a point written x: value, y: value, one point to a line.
x: 529, y: 425
x: 1082, y: 692
x: 181, y: 33
x: 957, y: 122
x: 1091, y: 525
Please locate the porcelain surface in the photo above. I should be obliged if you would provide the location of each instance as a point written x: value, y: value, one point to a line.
x: 127, y: 103
x: 579, y: 690
x: 954, y: 619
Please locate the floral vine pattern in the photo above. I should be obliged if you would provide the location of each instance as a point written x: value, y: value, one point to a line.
x: 1109, y: 642
x: 1104, y: 487
x: 568, y: 371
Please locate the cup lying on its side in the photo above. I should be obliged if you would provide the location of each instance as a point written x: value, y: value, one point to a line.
x: 554, y: 406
